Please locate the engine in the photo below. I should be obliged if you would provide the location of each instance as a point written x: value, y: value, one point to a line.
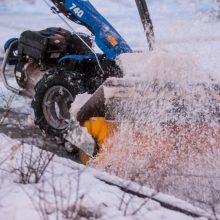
x: 39, y: 51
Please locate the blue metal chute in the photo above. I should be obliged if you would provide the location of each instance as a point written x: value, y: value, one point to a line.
x: 106, y: 37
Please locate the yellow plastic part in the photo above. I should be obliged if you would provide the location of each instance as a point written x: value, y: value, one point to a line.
x: 100, y: 130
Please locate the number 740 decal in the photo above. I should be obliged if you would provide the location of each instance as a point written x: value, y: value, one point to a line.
x: 77, y: 10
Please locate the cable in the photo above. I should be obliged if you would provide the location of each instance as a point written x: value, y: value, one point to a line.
x: 73, y: 30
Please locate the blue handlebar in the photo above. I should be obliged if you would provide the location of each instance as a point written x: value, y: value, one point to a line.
x: 106, y: 37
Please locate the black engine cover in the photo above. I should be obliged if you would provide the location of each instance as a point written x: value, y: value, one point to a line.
x: 50, y: 44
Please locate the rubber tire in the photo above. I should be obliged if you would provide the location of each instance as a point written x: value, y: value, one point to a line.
x: 71, y: 81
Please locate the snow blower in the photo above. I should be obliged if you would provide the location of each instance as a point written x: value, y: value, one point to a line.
x: 54, y: 65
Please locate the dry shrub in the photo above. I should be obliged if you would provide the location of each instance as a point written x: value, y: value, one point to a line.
x: 59, y: 196
x: 32, y: 164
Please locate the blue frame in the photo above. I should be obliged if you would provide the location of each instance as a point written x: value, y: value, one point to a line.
x: 8, y: 42
x: 106, y: 37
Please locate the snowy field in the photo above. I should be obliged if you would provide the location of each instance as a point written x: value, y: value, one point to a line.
x: 188, y: 42
x: 70, y: 191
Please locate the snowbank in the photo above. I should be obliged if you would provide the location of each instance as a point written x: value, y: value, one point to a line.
x: 66, y: 189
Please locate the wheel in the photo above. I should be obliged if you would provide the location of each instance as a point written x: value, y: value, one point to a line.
x: 54, y: 94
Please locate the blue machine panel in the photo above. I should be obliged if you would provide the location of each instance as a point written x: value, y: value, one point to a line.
x: 106, y: 37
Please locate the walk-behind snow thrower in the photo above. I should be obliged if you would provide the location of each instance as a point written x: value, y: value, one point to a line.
x: 54, y: 65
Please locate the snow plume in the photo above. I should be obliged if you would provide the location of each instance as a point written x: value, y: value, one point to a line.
x: 163, y: 65
x: 168, y: 132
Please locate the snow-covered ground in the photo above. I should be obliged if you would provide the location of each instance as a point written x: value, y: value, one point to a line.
x: 70, y: 191
x: 187, y: 38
